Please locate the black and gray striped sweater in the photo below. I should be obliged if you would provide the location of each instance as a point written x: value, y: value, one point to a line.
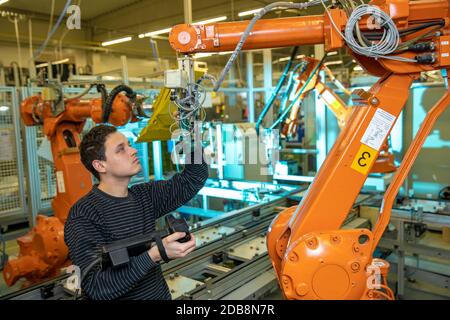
x: 99, y: 218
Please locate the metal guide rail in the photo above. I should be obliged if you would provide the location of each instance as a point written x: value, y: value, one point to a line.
x: 223, y: 265
x: 235, y: 264
x: 417, y: 245
x: 231, y: 253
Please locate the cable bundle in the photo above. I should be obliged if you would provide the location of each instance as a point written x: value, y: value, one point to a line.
x: 389, y: 40
x: 190, y: 106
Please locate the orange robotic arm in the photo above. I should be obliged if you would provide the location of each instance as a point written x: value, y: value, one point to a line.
x: 331, y: 99
x: 63, y: 129
x: 285, y: 32
x: 42, y: 250
x: 385, y: 162
x: 312, y: 257
x: 322, y: 29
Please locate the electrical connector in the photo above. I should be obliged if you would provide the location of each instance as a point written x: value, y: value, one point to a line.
x: 422, y: 47
x: 426, y: 58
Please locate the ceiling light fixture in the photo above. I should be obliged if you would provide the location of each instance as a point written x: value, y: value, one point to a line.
x: 61, y: 61
x: 108, y: 43
x: 222, y: 18
x: 154, y: 33
x: 249, y: 12
x: 332, y: 63
x: 167, y: 30
x: 202, y: 55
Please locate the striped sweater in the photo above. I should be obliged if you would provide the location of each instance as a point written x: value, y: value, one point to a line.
x: 99, y: 218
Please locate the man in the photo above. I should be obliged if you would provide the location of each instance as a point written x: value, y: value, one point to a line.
x: 113, y: 211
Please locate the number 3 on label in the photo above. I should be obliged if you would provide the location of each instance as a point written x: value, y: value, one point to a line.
x: 364, y: 159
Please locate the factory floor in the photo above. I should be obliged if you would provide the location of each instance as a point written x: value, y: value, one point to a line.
x: 433, y: 239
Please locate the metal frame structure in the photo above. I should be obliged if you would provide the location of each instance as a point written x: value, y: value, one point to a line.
x: 19, y: 212
x: 405, y: 249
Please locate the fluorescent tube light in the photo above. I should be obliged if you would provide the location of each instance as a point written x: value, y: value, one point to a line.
x: 249, y: 12
x: 108, y: 43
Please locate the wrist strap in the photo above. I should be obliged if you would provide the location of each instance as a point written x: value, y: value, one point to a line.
x: 162, y: 250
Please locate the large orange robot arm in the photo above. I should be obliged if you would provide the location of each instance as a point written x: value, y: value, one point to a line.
x: 304, y: 30
x: 409, y: 16
x: 312, y: 257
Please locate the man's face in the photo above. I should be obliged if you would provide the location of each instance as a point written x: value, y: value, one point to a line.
x: 121, y: 158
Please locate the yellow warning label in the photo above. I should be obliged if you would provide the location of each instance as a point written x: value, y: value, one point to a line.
x: 364, y: 159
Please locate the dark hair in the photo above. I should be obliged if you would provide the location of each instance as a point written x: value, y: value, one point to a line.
x: 92, y: 147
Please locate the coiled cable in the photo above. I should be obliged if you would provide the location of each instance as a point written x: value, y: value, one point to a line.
x: 387, y: 44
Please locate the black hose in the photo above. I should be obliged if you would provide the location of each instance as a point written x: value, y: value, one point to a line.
x: 112, y: 95
x: 302, y: 65
x: 3, y: 255
x: 277, y: 89
x: 297, y: 96
x: 404, y: 32
x: 102, y: 90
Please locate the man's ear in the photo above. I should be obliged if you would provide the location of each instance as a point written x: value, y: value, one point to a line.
x: 99, y: 166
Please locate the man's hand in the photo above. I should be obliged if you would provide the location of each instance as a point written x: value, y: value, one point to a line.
x: 174, y: 249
